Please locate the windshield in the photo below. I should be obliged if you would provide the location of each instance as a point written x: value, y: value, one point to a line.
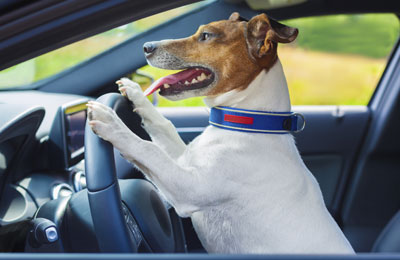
x: 49, y: 64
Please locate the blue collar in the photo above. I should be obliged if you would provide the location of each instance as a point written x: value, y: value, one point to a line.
x: 254, y: 121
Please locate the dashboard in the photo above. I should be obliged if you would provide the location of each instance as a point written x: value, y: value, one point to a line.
x: 41, y: 150
x: 42, y: 164
x: 43, y: 160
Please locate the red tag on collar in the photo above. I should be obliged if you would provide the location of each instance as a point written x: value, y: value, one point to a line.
x: 239, y: 119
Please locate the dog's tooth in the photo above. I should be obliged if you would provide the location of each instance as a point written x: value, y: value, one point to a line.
x: 187, y: 82
x: 166, y: 86
x: 194, y: 81
x: 203, y: 76
x: 199, y: 78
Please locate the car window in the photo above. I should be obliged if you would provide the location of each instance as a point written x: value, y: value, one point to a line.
x: 336, y: 60
x: 61, y: 59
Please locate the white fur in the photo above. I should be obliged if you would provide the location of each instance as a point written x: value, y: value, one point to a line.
x: 245, y: 192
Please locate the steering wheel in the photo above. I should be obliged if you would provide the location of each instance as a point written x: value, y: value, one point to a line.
x: 128, y: 215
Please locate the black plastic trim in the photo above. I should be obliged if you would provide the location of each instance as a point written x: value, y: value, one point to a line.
x: 94, y: 18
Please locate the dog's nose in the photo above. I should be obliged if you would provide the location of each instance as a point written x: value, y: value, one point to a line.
x: 149, y: 47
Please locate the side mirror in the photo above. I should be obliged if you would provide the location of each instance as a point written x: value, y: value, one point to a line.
x: 144, y: 79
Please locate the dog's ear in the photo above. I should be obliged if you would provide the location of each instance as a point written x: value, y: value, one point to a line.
x: 235, y: 17
x: 282, y: 33
x: 263, y: 33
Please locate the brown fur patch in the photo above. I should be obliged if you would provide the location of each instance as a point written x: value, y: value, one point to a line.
x: 236, y: 50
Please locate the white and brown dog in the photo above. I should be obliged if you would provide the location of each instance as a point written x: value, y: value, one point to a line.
x: 245, y: 192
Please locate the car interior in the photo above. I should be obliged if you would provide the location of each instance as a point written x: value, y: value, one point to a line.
x: 57, y: 176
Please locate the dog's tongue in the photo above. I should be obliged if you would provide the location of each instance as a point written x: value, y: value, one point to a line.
x: 171, y: 79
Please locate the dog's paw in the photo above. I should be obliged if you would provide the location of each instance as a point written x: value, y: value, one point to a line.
x: 104, y: 121
x: 132, y: 91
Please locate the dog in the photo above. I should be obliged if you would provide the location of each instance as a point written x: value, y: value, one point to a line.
x: 245, y: 191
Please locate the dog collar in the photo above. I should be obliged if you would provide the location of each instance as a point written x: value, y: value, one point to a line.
x: 254, y: 121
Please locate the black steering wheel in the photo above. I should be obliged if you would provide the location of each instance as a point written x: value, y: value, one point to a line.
x: 128, y: 215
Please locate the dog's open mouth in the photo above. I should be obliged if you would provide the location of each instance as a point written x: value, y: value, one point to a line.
x: 188, y: 79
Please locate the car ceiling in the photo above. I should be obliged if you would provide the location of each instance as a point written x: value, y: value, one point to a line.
x: 8, y: 6
x: 31, y: 28
x: 30, y: 31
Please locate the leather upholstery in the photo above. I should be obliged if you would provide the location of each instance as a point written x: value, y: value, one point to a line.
x: 389, y: 239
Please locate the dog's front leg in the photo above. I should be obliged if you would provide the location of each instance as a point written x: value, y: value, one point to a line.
x: 178, y: 184
x: 160, y: 129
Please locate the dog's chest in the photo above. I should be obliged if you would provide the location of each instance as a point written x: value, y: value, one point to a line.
x: 262, y: 197
x: 236, y: 158
x: 247, y: 176
x: 217, y: 230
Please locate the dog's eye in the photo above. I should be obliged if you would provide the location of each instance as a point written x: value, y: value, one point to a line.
x: 204, y: 36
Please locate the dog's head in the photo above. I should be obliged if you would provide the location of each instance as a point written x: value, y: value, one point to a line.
x: 219, y: 57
